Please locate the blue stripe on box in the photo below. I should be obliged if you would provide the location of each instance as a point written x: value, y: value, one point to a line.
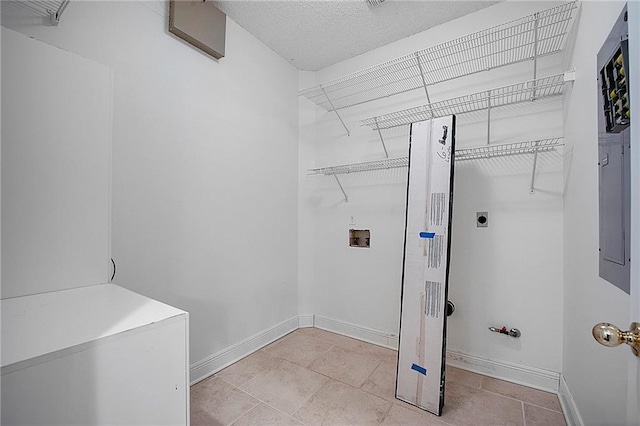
x: 427, y: 234
x: 419, y: 369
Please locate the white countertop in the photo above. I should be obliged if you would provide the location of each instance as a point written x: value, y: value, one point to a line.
x: 44, y: 323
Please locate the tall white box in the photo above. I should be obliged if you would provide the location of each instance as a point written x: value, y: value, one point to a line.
x: 421, y: 359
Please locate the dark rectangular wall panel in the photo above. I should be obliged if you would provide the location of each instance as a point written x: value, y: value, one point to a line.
x: 200, y: 24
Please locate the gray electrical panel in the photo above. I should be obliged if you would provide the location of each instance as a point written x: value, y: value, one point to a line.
x: 614, y: 184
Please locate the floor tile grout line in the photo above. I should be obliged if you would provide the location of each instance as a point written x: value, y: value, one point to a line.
x: 311, y: 396
x: 351, y: 349
x: 422, y: 412
x: 343, y: 382
x: 346, y: 337
x: 371, y: 373
x: 280, y: 411
x: 510, y: 397
x: 517, y: 399
x: 265, y: 403
x: 239, y: 417
x: 308, y: 367
x: 388, y: 409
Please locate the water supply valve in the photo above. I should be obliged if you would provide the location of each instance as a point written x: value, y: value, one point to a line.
x: 514, y: 332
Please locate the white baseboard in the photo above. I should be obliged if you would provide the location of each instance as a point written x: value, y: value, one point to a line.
x: 569, y: 408
x: 377, y: 337
x: 516, y: 373
x: 305, y: 321
x: 216, y: 362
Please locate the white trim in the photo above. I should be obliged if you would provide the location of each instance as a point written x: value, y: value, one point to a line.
x: 377, y: 337
x: 306, y: 321
x: 216, y: 362
x: 521, y: 374
x: 569, y: 408
x: 516, y: 373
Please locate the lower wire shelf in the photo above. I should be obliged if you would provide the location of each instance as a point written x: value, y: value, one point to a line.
x: 484, y: 152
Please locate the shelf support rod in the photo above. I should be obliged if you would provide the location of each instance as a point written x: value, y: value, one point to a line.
x: 335, y: 110
x: 535, y: 52
x: 346, y: 199
x: 533, y: 173
x: 424, y: 82
x: 488, y: 117
x: 54, y: 16
x: 386, y: 154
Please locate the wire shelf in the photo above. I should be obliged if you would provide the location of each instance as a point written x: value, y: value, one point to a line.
x: 489, y: 151
x: 50, y: 11
x: 389, y: 163
x: 530, y: 37
x: 515, y: 148
x: 501, y: 96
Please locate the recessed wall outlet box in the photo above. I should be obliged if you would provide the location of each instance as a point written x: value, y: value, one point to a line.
x: 359, y: 238
x: 482, y: 219
x: 199, y: 23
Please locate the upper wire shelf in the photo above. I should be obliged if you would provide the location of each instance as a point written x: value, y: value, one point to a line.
x: 526, y: 38
x: 501, y: 96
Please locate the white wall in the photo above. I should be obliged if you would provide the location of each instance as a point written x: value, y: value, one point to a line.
x: 56, y: 173
x: 508, y: 274
x: 204, y: 168
x: 595, y: 375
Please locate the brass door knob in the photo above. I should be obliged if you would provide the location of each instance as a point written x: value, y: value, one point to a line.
x: 609, y: 335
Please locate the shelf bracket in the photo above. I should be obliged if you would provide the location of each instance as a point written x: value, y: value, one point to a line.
x: 533, y: 172
x: 335, y: 110
x: 346, y: 199
x: 570, y: 75
x: 55, y: 15
x: 386, y: 154
x: 535, y: 46
x: 424, y: 82
x: 488, y: 117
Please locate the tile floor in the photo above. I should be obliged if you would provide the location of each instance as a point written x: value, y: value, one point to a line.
x: 314, y: 377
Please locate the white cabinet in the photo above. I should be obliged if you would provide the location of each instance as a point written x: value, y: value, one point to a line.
x: 74, y: 350
x: 94, y: 355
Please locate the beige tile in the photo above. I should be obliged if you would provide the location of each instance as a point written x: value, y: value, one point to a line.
x: 340, y: 404
x: 298, y: 348
x: 216, y: 402
x: 384, y: 354
x: 399, y: 415
x: 350, y: 343
x: 468, y: 406
x: 523, y: 393
x: 347, y: 366
x: 382, y: 382
x: 538, y: 416
x: 247, y: 368
x: 285, y: 386
x: 463, y: 377
x: 329, y: 337
x: 263, y: 415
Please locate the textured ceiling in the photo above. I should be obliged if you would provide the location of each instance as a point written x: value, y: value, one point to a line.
x: 313, y: 34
